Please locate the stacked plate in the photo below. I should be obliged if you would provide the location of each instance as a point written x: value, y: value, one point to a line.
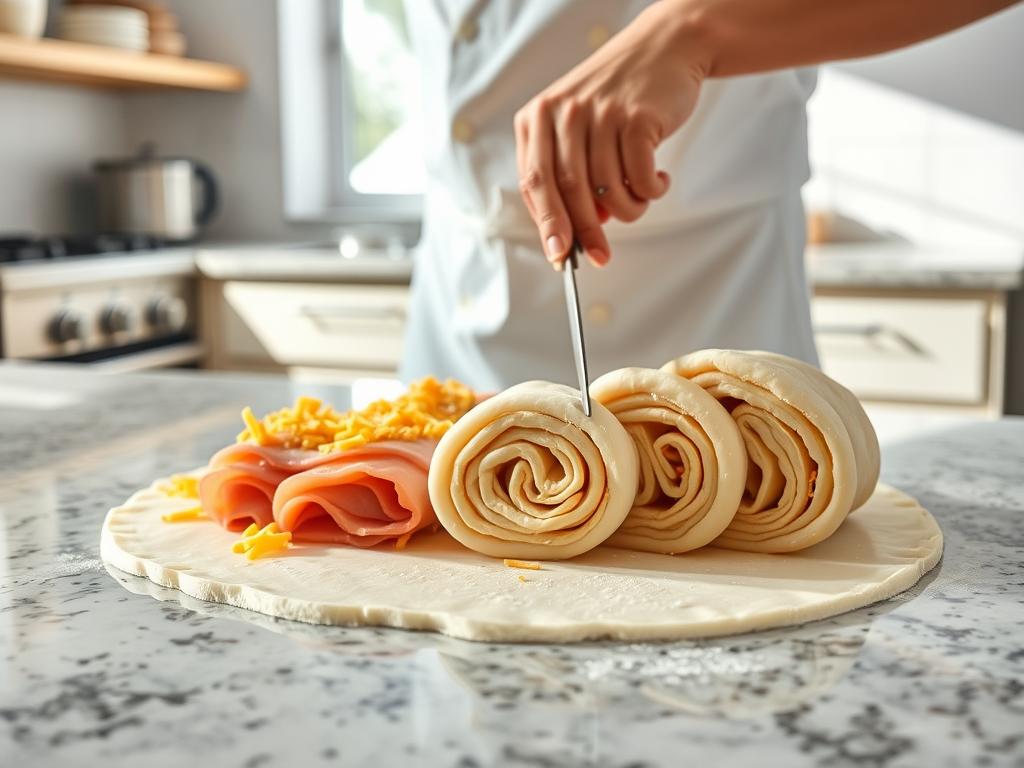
x: 113, y: 26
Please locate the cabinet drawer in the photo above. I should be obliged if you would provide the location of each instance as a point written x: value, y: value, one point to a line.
x: 905, y: 348
x: 332, y: 326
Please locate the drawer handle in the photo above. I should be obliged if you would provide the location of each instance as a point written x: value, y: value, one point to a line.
x: 321, y: 313
x: 872, y: 332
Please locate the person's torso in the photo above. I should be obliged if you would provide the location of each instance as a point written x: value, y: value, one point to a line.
x: 481, y: 60
x: 714, y: 263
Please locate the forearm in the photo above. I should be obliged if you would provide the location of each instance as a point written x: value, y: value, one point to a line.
x: 735, y: 37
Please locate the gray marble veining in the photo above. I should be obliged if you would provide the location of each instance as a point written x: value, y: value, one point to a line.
x: 94, y: 671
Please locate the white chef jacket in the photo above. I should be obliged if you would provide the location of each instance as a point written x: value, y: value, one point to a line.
x: 717, y: 262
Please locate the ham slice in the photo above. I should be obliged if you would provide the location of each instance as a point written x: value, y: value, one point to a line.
x: 526, y: 474
x: 238, y: 488
x: 362, y: 496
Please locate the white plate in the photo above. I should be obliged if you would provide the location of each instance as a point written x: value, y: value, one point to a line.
x: 111, y: 14
x: 109, y: 41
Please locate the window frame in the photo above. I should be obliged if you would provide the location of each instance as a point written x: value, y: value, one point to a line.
x: 314, y: 98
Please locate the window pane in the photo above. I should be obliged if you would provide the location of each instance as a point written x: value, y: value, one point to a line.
x: 382, y: 116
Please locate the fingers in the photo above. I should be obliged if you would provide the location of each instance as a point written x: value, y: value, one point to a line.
x: 573, y: 181
x: 538, y: 186
x: 578, y: 166
x: 606, y: 171
x: 637, y: 142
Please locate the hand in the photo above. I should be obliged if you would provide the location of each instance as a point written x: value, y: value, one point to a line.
x: 585, y: 145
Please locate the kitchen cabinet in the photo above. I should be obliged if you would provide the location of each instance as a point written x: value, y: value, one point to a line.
x: 309, y: 312
x: 895, y: 324
x: 897, y: 345
x: 905, y: 325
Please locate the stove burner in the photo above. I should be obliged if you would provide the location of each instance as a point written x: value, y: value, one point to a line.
x: 23, y: 248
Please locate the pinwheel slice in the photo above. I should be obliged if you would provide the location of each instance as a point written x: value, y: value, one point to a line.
x: 813, y: 454
x: 692, y: 462
x: 526, y: 474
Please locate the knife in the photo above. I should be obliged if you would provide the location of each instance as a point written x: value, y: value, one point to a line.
x: 572, y: 303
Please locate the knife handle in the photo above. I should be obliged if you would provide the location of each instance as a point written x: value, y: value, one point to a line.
x: 572, y: 258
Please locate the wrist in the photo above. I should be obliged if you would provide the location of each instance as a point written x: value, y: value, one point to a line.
x: 691, y: 28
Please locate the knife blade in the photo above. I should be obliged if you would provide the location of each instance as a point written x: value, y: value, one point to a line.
x: 572, y: 303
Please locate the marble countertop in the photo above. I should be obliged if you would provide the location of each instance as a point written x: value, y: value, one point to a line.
x: 870, y: 265
x: 901, y: 265
x: 302, y: 263
x: 95, y: 671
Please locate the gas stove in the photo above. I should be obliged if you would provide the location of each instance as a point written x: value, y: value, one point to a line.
x: 18, y: 248
x: 115, y: 302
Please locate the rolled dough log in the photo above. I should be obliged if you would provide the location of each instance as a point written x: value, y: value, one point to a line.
x: 526, y: 474
x: 692, y: 461
x: 813, y: 454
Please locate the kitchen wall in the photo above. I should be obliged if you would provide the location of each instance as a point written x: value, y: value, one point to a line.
x: 928, y: 143
x: 49, y: 135
x: 238, y: 135
x: 969, y: 78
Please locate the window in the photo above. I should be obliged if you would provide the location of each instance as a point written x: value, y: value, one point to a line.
x: 350, y: 112
x: 380, y: 97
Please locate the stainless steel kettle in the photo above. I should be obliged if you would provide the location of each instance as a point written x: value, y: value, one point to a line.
x: 150, y: 195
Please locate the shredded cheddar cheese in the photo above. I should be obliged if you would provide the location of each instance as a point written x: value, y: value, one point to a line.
x: 402, y: 540
x: 522, y: 564
x: 183, y: 515
x: 183, y: 486
x: 522, y: 578
x: 256, y: 541
x: 427, y: 410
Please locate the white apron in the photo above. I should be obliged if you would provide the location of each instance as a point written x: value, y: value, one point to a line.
x: 718, y: 262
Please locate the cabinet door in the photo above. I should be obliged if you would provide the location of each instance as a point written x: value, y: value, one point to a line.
x: 328, y: 326
x: 932, y: 350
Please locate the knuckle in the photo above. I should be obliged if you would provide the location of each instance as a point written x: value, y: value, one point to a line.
x: 549, y: 218
x: 570, y: 111
x: 609, y: 110
x: 569, y: 182
x: 532, y: 180
x: 631, y: 213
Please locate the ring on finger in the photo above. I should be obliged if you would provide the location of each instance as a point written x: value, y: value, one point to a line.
x: 600, y: 191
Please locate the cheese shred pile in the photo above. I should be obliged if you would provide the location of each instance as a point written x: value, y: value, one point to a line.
x: 427, y: 410
x: 256, y: 541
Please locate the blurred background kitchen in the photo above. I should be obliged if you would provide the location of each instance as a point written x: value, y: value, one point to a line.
x: 232, y: 185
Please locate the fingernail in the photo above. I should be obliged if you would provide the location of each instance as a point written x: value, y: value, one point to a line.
x: 598, y: 257
x: 559, y: 265
x: 555, y: 247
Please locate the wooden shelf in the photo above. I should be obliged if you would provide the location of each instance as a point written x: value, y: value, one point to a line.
x: 66, y: 62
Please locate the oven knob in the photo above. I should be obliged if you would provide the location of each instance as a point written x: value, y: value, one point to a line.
x: 66, y: 326
x: 116, y: 318
x: 167, y: 314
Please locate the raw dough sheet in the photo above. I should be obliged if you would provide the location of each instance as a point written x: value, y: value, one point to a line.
x: 436, y: 584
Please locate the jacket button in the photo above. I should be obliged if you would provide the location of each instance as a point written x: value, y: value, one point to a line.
x: 597, y: 36
x: 462, y: 131
x: 468, y: 30
x: 599, y: 313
